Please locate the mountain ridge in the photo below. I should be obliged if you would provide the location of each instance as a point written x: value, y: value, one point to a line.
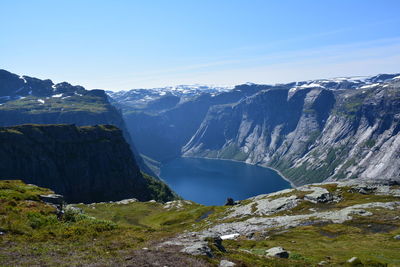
x: 306, y: 130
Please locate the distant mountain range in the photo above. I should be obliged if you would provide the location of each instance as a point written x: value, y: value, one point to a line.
x: 141, y: 98
x: 311, y: 131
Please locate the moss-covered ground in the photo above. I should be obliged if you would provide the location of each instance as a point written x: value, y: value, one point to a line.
x: 106, y: 234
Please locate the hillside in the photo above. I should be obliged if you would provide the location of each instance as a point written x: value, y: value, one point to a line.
x: 310, y: 131
x: 25, y: 99
x: 332, y: 224
x: 86, y: 164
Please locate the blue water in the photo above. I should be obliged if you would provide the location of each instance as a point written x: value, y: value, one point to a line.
x: 210, y: 182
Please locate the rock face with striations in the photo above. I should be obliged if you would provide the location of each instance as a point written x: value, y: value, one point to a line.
x: 85, y: 164
x: 310, y: 131
x: 310, y: 134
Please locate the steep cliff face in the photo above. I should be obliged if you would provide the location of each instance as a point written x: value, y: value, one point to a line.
x: 309, y: 134
x: 311, y: 131
x: 25, y: 99
x: 86, y: 164
x: 161, y: 135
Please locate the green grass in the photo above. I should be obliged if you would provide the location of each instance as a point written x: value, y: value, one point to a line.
x: 30, y: 104
x: 108, y: 233
x: 103, y: 233
x: 159, y: 191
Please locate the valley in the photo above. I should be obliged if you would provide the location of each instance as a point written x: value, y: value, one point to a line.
x: 335, y: 141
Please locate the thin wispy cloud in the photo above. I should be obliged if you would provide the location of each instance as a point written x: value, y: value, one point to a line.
x: 233, y: 70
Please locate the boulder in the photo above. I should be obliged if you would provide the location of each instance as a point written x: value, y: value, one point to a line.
x: 126, y: 201
x: 397, y: 237
x: 277, y: 252
x: 354, y: 261
x: 198, y: 249
x: 53, y: 199
x: 225, y: 263
x: 319, y: 195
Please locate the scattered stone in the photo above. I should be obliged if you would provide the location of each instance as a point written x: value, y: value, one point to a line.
x: 277, y: 252
x: 152, y: 201
x: 229, y: 202
x: 322, y: 263
x: 176, y: 204
x: 249, y: 235
x: 319, y: 194
x: 263, y: 206
x: 231, y: 236
x: 126, y: 201
x: 2, y: 233
x: 354, y: 261
x: 198, y: 249
x: 53, y: 199
x: 145, y: 248
x: 74, y: 209
x: 225, y: 263
x: 397, y: 237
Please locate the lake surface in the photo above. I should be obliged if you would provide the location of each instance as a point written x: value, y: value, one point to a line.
x: 210, y: 182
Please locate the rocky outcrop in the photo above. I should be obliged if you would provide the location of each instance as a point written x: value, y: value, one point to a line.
x: 277, y: 252
x: 85, y: 164
x: 25, y: 100
x: 264, y: 215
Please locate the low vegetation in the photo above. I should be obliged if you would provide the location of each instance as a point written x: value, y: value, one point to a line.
x: 128, y: 234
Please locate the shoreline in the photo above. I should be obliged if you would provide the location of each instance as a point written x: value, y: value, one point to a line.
x: 266, y: 167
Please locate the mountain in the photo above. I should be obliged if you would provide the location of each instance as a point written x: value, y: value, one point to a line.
x: 161, y: 134
x: 85, y: 164
x: 310, y: 131
x: 25, y: 99
x: 143, y: 98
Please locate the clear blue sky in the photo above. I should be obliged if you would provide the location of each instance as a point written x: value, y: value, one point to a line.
x: 120, y: 44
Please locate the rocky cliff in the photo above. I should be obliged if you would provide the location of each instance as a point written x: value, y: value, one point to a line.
x: 161, y: 135
x: 311, y: 131
x: 25, y: 99
x: 86, y: 164
x: 310, y: 134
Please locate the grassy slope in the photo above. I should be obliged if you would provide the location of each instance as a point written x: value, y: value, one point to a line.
x: 74, y: 103
x: 109, y: 233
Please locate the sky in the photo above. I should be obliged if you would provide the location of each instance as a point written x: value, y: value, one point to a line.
x: 119, y: 45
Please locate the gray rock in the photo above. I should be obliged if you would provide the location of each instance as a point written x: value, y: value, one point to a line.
x: 225, y: 263
x: 397, y: 237
x: 319, y: 194
x: 354, y: 261
x: 126, y: 201
x: 53, y: 199
x: 322, y: 263
x: 263, y: 206
x: 277, y: 252
x: 198, y: 249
